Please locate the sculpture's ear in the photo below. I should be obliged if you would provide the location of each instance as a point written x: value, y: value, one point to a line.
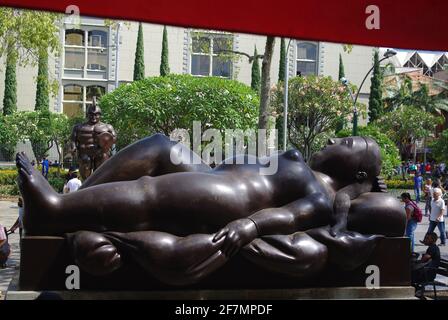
x: 361, y: 176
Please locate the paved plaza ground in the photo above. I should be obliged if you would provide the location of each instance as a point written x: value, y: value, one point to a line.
x: 9, y: 213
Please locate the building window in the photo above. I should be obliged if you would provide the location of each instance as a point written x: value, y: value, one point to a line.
x: 306, y: 58
x: 85, y: 59
x: 78, y: 98
x: 205, y: 58
x: 73, y: 100
x: 74, y: 37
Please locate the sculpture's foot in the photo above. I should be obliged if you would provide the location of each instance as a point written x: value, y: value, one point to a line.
x: 38, y: 196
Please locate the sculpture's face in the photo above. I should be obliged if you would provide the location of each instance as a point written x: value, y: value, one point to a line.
x: 345, y: 157
x: 94, y: 117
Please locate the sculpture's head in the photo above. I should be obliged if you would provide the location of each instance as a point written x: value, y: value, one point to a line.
x: 94, y: 114
x: 351, y: 159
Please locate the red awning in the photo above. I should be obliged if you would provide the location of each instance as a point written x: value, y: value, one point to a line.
x: 402, y: 24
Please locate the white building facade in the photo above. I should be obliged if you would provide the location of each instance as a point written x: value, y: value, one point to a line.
x: 88, y: 66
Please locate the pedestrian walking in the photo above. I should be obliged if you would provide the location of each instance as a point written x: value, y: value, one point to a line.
x: 418, y: 183
x: 428, y: 189
x: 437, y: 219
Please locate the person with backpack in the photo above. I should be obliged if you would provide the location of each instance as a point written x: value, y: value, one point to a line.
x: 413, y: 216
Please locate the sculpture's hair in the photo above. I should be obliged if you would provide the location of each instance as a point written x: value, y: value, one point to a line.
x: 379, y: 185
x: 371, y: 163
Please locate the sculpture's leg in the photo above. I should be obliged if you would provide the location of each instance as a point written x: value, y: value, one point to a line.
x: 149, y: 203
x: 122, y: 206
x: 297, y: 255
x: 170, y: 259
x: 85, y: 166
x: 151, y: 156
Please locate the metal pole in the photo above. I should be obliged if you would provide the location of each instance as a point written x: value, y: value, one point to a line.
x: 285, y: 109
x: 117, y: 53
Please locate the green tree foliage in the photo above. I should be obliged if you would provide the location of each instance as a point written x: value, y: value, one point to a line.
x: 407, y: 124
x: 164, y: 64
x: 440, y: 147
x: 281, y: 67
x: 389, y: 151
x: 375, y: 99
x: 42, y: 89
x: 139, y: 63
x: 10, y: 93
x: 43, y: 127
x: 162, y: 104
x: 315, y: 106
x: 255, y: 80
x: 28, y: 33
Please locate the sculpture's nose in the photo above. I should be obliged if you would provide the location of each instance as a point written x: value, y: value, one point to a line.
x: 331, y: 141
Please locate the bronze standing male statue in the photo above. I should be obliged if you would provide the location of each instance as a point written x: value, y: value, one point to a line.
x: 183, y: 222
x: 92, y: 141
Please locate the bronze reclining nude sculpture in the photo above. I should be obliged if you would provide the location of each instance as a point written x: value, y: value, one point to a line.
x: 183, y: 222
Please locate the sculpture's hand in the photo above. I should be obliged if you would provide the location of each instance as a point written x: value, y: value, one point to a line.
x: 337, y: 229
x: 237, y: 234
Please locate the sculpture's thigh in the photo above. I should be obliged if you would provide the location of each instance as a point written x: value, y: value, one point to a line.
x: 151, y: 156
x: 377, y: 213
x: 297, y: 255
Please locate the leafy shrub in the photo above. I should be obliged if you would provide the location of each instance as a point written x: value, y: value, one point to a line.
x: 389, y: 151
x: 8, y: 180
x: 399, y: 184
x: 162, y: 104
x: 9, y: 190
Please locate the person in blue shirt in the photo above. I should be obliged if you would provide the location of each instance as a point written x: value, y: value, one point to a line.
x: 45, y: 167
x: 418, y: 182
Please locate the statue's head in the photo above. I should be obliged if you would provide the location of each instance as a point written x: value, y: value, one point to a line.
x: 94, y: 113
x: 350, y: 159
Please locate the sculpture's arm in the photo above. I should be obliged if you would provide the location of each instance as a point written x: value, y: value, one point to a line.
x: 111, y: 130
x: 342, y: 203
x: 311, y: 211
x: 73, y: 139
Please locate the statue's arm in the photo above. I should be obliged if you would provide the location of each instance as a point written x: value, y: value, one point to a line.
x: 74, y: 138
x: 311, y: 211
x: 342, y: 203
x: 295, y: 216
x: 111, y: 130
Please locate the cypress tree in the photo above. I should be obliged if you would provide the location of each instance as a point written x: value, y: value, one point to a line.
x: 375, y: 99
x: 42, y: 90
x: 281, y: 67
x: 255, y: 81
x: 341, y: 68
x: 164, y: 65
x: 139, y: 63
x: 10, y: 95
x: 341, y: 121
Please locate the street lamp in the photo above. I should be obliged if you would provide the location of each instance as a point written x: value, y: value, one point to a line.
x: 389, y: 53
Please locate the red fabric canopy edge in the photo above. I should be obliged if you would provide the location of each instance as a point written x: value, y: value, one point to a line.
x: 412, y: 24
